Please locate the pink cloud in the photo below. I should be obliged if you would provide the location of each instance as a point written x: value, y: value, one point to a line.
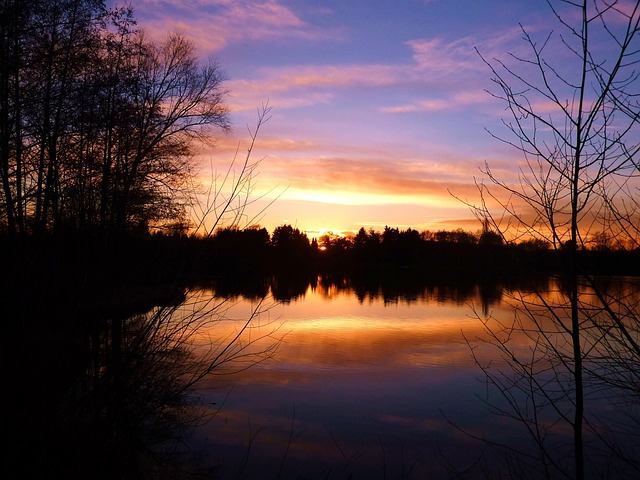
x: 440, y: 58
x: 327, y: 76
x: 453, y: 67
x: 454, y: 101
x: 244, y: 95
x: 458, y: 60
x: 302, y: 85
x: 216, y: 23
x: 306, y: 85
x: 263, y: 14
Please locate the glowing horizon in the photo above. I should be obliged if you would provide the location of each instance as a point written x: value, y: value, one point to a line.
x: 379, y: 112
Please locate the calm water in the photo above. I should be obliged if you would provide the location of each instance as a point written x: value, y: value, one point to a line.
x: 343, y: 382
x: 365, y: 386
x: 332, y: 379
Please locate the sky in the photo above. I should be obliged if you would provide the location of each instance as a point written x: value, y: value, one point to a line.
x: 379, y: 109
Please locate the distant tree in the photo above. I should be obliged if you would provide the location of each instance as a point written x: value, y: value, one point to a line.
x: 335, y: 243
x: 390, y: 236
x: 286, y: 237
x: 373, y: 238
x: 235, y: 250
x: 256, y: 235
x: 291, y: 247
x: 360, y: 240
x: 490, y: 238
x: 338, y: 251
x: 366, y: 246
x: 453, y: 236
x: 603, y: 241
x: 427, y: 236
x: 534, y: 244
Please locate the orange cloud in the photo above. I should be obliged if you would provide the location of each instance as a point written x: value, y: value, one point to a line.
x: 323, y: 170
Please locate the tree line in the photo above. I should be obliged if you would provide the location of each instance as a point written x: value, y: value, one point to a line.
x: 232, y: 251
x: 97, y: 122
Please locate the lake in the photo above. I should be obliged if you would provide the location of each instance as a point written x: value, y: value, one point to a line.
x: 374, y: 385
x: 328, y: 378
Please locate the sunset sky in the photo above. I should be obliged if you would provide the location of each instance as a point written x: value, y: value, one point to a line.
x: 379, y: 108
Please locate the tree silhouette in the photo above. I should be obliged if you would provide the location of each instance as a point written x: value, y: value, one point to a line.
x: 575, y: 124
x: 97, y: 123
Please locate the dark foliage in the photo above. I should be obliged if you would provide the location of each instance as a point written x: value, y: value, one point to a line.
x: 445, y: 255
x: 96, y: 122
x: 64, y: 297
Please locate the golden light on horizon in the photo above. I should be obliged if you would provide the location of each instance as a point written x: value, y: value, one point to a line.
x: 348, y: 196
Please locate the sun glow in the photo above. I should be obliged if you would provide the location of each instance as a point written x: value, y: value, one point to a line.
x: 365, y: 198
x: 322, y: 233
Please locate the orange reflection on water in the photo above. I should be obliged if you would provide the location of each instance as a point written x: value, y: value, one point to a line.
x: 354, y: 371
x: 368, y: 370
x: 331, y: 329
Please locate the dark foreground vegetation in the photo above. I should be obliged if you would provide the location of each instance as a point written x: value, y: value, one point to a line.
x: 92, y: 387
x: 124, y: 269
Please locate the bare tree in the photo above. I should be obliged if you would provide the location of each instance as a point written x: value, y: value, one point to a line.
x: 226, y: 200
x: 171, y: 100
x: 97, y: 132
x: 575, y: 119
x: 44, y: 47
x: 98, y: 124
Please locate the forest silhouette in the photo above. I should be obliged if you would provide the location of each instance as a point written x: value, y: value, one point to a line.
x: 98, y: 127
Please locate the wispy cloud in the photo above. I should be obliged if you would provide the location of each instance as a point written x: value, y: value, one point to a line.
x: 217, y: 23
x: 454, y: 69
x: 436, y: 63
x: 307, y: 85
x: 456, y: 101
x: 435, y: 57
x: 338, y: 140
x: 367, y: 180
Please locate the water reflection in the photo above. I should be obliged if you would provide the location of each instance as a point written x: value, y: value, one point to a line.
x: 373, y: 380
x: 101, y: 391
x: 362, y: 383
x: 370, y: 379
x: 395, y: 288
